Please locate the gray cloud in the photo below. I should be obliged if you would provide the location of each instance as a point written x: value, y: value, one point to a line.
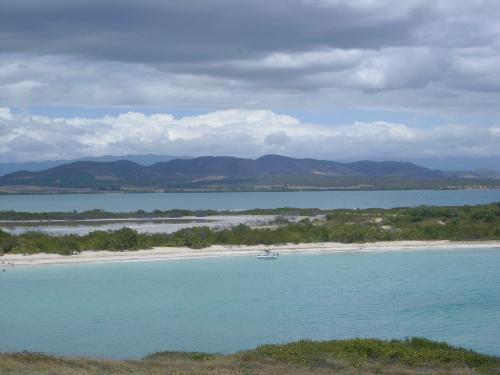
x: 159, y: 31
x: 421, y: 56
x: 277, y: 139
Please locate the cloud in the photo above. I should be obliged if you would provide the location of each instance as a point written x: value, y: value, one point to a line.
x: 159, y: 31
x: 277, y: 139
x: 427, y: 57
x: 246, y: 133
x: 5, y: 114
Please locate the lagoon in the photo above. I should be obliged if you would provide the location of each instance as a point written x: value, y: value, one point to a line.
x: 246, y: 200
x: 127, y: 310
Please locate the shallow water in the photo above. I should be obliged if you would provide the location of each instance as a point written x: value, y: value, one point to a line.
x: 141, y: 226
x: 228, y: 304
x: 246, y: 200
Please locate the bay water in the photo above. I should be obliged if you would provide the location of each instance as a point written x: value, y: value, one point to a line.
x: 246, y: 200
x: 226, y: 304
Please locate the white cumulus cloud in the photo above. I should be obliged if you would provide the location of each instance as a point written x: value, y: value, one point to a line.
x: 246, y: 133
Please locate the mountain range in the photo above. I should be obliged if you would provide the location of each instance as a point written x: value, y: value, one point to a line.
x: 35, y: 166
x: 222, y: 171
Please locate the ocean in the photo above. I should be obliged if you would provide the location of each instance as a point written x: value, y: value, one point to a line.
x: 128, y: 310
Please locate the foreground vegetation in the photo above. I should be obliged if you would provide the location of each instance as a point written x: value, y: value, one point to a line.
x: 356, y: 356
x: 481, y: 222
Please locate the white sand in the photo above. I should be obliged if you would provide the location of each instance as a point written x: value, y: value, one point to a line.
x: 167, y: 253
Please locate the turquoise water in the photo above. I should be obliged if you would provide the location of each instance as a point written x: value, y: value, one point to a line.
x: 228, y: 304
x: 240, y: 201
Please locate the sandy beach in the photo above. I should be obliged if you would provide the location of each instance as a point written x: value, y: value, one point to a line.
x: 171, y: 253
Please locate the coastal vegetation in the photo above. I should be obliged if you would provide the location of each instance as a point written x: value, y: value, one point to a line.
x: 480, y: 222
x: 353, y: 356
x: 265, y: 184
x: 98, y: 214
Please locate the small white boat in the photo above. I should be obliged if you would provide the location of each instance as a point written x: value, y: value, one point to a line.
x: 269, y: 255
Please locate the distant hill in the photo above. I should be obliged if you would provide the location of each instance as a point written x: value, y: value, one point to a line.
x: 459, y: 163
x: 84, y: 174
x: 478, y: 173
x: 221, y: 173
x: 277, y: 165
x: 146, y: 159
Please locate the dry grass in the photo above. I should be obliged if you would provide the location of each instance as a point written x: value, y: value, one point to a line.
x: 345, y: 357
x: 223, y: 366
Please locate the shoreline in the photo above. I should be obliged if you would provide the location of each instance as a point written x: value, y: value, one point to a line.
x: 4, y: 190
x: 176, y: 253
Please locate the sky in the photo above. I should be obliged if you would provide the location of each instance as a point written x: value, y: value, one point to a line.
x: 412, y: 80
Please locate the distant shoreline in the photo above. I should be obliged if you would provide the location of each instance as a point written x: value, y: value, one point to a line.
x: 173, y: 253
x: 7, y: 192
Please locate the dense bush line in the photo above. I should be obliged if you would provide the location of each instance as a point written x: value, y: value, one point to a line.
x: 421, y: 223
x: 141, y: 214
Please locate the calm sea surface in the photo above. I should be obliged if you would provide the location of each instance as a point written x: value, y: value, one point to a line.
x: 241, y: 201
x: 228, y: 304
